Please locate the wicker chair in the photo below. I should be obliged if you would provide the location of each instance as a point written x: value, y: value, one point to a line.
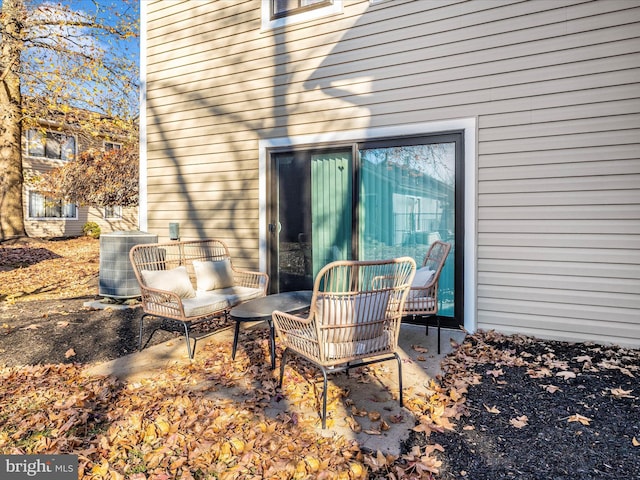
x: 191, y: 281
x: 354, y: 318
x: 423, y: 295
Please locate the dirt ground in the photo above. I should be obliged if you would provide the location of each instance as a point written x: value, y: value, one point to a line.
x: 43, y: 288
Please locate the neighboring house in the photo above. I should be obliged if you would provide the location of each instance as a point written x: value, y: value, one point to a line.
x: 368, y: 128
x: 50, y: 146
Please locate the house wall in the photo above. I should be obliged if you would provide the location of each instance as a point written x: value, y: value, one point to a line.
x: 553, y: 87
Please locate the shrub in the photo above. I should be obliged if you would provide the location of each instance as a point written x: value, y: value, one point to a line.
x: 91, y: 229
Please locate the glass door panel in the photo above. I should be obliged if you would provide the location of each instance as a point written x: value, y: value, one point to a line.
x: 311, y: 216
x: 331, y: 206
x: 407, y: 201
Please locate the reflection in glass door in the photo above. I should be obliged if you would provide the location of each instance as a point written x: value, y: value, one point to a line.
x: 407, y: 201
x: 311, y: 216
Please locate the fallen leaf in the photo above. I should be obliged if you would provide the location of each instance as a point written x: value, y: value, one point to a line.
x: 399, y: 418
x: 620, y: 393
x: 495, y: 373
x: 519, y: 422
x: 455, y: 394
x: 358, y: 413
x: 566, y: 374
x: 493, y: 409
x: 419, y: 349
x: 353, y: 424
x: 70, y: 353
x: 579, y: 418
x: 62, y: 323
x: 539, y: 373
x: 374, y: 416
x: 550, y: 388
x: 33, y: 326
x: 635, y: 442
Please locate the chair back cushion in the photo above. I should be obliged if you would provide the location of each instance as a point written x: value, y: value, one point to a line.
x: 422, y: 278
x: 213, y: 275
x: 347, y: 317
x: 175, y: 280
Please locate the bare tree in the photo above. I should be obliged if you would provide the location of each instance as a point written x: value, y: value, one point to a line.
x: 55, y: 61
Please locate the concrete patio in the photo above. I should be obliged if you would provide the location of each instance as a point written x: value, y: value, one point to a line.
x: 420, y: 364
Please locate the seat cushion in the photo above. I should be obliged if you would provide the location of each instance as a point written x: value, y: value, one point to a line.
x: 214, y: 301
x: 371, y: 346
x: 419, y: 304
x: 175, y: 280
x: 213, y: 275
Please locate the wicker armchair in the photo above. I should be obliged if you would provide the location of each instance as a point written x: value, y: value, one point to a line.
x: 423, y: 295
x: 354, y: 317
x: 191, y: 281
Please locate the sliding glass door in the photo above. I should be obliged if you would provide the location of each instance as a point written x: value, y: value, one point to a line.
x: 368, y: 200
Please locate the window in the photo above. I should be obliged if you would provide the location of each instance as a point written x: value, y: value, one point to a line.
x: 282, y: 8
x: 41, y: 206
x: 278, y: 13
x: 112, y: 146
x: 52, y: 145
x: 113, y: 212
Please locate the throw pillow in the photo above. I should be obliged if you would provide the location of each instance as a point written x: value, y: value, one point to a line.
x: 175, y: 280
x: 422, y: 278
x: 213, y: 275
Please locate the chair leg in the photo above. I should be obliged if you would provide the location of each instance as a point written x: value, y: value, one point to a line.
x: 272, y: 344
x: 399, y: 377
x: 141, y: 334
x: 283, y: 360
x: 190, y: 351
x: 438, y: 320
x: 141, y: 331
x: 236, y: 333
x: 324, y: 398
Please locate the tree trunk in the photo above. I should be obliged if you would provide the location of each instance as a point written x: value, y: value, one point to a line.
x: 11, y: 178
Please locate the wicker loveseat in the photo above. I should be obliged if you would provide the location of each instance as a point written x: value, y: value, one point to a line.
x: 191, y: 281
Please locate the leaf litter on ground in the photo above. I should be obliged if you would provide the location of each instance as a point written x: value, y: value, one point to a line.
x: 182, y: 425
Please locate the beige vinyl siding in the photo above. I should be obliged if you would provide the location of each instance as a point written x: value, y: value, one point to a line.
x: 128, y: 221
x: 554, y: 86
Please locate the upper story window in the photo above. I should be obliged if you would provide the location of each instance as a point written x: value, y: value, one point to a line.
x: 283, y: 8
x: 112, y: 146
x: 53, y: 145
x: 278, y: 13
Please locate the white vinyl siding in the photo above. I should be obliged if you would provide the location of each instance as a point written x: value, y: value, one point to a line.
x: 554, y: 86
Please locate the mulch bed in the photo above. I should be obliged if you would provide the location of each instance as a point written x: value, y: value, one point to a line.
x: 543, y: 410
